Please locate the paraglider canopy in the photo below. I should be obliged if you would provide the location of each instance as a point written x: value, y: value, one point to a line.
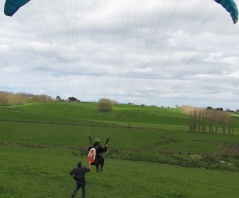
x: 231, y: 7
x: 11, y: 6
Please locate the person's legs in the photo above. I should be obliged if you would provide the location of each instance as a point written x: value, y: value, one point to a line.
x: 96, y: 164
x: 76, y: 189
x: 83, y: 189
x: 97, y: 168
x: 102, y: 161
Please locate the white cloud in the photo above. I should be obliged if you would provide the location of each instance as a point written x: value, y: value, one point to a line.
x: 141, y: 51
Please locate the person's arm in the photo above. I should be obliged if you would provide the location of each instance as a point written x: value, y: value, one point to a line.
x: 72, y: 172
x: 89, y: 166
x: 103, y: 150
x: 90, y: 147
x: 106, y: 147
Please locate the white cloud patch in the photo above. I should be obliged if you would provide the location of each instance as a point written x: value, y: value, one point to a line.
x: 166, y: 53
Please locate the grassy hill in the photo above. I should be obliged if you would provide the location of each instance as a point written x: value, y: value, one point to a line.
x: 151, y: 153
x: 86, y: 113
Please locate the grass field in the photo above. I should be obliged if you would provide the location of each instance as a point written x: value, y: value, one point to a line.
x: 150, y: 154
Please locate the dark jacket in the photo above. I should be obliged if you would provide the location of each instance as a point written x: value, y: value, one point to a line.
x: 79, y: 173
x: 99, y: 149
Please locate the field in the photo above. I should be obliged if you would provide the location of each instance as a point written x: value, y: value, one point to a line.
x: 151, y: 153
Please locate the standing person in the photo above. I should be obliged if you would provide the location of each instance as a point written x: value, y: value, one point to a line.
x: 99, y: 160
x: 78, y: 174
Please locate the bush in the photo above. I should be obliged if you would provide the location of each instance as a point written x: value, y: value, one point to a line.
x: 105, y: 105
x: 3, y: 99
x: 39, y: 98
x: 16, y: 99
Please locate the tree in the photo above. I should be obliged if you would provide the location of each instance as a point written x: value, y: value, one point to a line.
x: 43, y: 98
x: 3, y: 98
x: 72, y: 99
x: 16, y: 99
x: 209, y: 108
x: 58, y: 98
x: 105, y: 105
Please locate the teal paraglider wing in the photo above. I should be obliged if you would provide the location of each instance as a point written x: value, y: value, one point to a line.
x: 231, y: 7
x: 11, y: 6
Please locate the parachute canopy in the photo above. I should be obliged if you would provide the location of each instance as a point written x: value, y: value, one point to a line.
x: 11, y: 6
x: 231, y: 7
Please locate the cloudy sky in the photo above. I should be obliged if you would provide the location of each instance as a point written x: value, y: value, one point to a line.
x: 152, y: 52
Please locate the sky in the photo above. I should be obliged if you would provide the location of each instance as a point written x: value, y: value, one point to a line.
x: 150, y: 52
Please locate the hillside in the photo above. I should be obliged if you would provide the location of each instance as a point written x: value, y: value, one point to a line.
x: 140, y: 136
x: 86, y: 113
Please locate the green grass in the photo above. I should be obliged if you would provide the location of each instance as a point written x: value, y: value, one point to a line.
x: 150, y: 154
x: 151, y: 145
x: 44, y: 172
x: 86, y: 114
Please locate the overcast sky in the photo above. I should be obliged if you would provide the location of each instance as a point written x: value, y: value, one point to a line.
x: 152, y: 52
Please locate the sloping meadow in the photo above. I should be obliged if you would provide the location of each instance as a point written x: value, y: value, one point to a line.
x: 41, y: 143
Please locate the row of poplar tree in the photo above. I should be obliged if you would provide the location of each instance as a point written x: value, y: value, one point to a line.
x: 203, y: 120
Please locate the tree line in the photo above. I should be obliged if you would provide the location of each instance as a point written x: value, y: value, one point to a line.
x: 203, y: 120
x: 9, y: 98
